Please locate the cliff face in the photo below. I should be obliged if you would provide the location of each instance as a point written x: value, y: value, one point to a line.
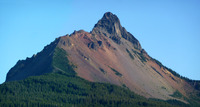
x: 107, y: 54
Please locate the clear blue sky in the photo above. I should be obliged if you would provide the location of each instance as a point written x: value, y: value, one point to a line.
x: 169, y: 30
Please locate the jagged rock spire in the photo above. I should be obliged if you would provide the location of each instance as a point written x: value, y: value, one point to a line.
x: 109, y: 25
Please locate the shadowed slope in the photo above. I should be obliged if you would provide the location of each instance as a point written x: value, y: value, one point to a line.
x: 36, y: 65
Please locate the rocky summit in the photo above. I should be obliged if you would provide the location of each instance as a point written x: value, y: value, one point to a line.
x: 110, y: 26
x: 109, y: 55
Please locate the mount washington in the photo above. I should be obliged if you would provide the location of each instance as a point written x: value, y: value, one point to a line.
x: 104, y: 67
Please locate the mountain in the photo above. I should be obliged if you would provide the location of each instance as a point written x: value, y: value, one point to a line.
x: 107, y: 54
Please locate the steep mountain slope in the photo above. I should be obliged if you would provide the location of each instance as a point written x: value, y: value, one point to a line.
x: 45, y: 61
x: 108, y: 54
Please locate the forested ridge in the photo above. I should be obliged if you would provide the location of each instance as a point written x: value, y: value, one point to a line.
x: 61, y: 89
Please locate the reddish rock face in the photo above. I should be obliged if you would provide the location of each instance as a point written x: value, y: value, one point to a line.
x: 111, y: 54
